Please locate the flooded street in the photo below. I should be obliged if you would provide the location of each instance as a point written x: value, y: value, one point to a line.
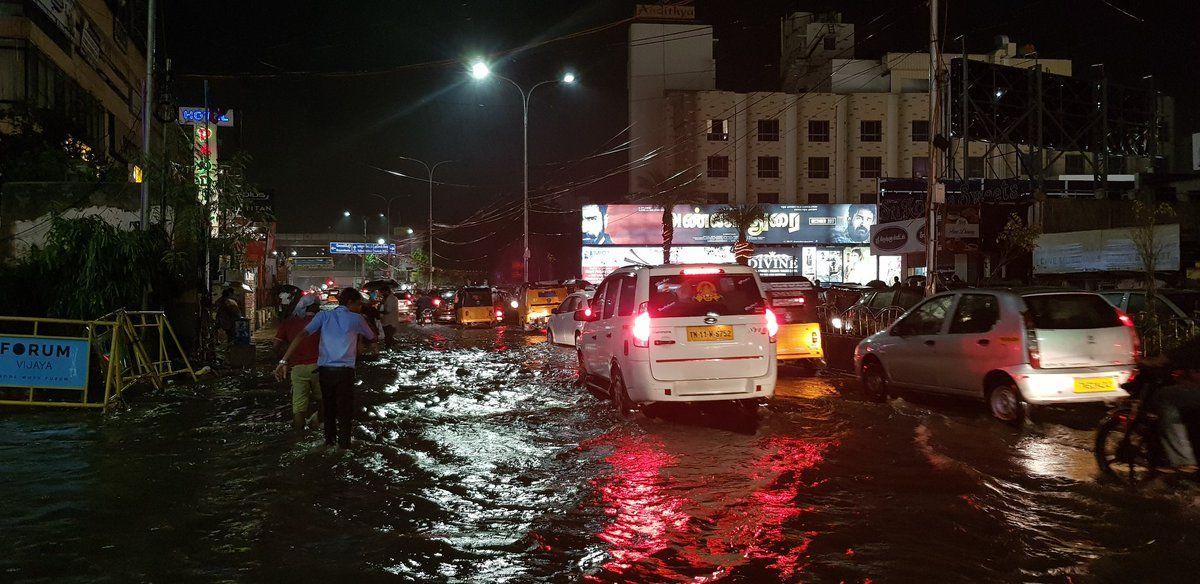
x: 477, y: 458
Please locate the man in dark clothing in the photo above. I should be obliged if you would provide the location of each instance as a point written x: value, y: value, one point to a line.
x: 336, y: 360
x: 228, y: 313
x: 1177, y: 400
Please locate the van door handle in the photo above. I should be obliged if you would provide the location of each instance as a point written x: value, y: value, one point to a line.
x: 983, y: 342
x: 930, y: 343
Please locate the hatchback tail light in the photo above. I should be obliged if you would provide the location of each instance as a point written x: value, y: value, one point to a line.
x: 772, y: 322
x: 499, y: 313
x: 1031, y: 342
x: 1135, y: 339
x: 641, y: 327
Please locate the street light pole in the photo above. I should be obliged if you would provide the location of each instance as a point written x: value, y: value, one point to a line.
x: 481, y: 71
x: 429, y: 170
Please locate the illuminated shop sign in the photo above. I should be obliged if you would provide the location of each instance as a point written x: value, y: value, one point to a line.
x: 637, y: 225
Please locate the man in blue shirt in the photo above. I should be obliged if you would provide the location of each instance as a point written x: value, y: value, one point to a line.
x: 340, y: 329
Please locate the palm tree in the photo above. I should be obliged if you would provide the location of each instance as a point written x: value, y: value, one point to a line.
x: 666, y: 192
x: 742, y: 217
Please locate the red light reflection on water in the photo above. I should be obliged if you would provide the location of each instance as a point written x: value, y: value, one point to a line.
x: 672, y: 521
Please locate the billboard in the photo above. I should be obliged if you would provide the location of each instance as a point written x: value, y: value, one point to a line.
x: 641, y: 225
x: 827, y: 264
x: 1103, y: 250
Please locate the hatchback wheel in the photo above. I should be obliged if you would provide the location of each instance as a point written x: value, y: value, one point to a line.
x: 550, y: 337
x: 1006, y: 405
x: 874, y: 382
x: 620, y: 395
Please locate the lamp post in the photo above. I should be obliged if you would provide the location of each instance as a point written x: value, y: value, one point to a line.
x: 388, y: 222
x: 480, y: 71
x: 429, y: 170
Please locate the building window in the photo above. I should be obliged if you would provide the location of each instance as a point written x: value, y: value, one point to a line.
x: 768, y: 167
x: 1075, y: 164
x: 818, y: 167
x: 768, y: 198
x: 868, y: 198
x: 870, y: 167
x: 818, y: 130
x: 920, y: 130
x: 717, y: 199
x: 870, y: 131
x: 920, y: 166
x: 718, y: 166
x: 818, y: 199
x: 718, y: 130
x: 975, y: 167
x: 768, y: 130
x: 830, y: 42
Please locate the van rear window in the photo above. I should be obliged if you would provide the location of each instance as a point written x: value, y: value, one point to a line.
x: 1071, y: 311
x: 704, y: 294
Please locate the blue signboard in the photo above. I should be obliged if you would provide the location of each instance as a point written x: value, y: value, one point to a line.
x: 361, y: 248
x: 48, y: 362
x: 197, y: 115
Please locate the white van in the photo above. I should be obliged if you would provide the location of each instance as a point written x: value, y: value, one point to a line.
x: 693, y: 332
x: 1007, y: 346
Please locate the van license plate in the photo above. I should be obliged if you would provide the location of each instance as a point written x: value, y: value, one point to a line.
x: 702, y: 334
x: 1094, y: 384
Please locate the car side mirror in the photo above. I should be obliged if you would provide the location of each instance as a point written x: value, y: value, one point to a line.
x: 555, y: 310
x: 586, y: 315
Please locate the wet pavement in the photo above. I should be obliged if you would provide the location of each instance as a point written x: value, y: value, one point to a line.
x: 479, y: 459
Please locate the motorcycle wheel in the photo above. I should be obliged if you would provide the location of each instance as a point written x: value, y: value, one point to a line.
x: 1124, y: 448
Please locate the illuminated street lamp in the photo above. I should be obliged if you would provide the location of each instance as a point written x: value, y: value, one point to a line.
x: 480, y: 71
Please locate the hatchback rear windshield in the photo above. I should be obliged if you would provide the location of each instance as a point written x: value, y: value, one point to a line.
x: 471, y: 298
x: 704, y: 294
x: 1071, y: 311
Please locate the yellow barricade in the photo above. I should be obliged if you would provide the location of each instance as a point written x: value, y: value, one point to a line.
x: 51, y: 361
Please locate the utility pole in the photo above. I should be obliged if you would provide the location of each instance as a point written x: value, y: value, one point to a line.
x: 429, y: 170
x: 147, y: 112
x: 935, y: 128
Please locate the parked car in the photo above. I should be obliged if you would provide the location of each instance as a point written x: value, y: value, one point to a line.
x: 1181, y: 304
x: 681, y: 333
x: 877, y: 308
x: 562, y: 328
x: 1010, y: 347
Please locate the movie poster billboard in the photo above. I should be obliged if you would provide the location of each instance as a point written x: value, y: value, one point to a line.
x: 641, y: 225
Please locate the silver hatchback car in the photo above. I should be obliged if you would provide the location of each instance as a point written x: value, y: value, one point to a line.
x: 1010, y: 347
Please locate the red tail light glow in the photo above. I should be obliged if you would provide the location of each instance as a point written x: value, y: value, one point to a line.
x: 701, y: 271
x: 587, y: 312
x: 499, y: 313
x: 437, y: 302
x: 1124, y: 318
x: 772, y: 323
x: 641, y: 328
x: 1032, y: 349
x: 1136, y: 340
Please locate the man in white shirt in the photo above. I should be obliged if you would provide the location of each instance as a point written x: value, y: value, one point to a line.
x: 389, y: 315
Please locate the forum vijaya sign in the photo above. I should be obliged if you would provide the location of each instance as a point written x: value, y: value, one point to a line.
x: 45, y: 362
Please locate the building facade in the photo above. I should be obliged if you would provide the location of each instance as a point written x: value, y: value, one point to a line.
x: 76, y: 58
x: 843, y: 124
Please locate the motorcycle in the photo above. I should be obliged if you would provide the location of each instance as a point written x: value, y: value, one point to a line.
x: 1128, y: 443
x: 426, y: 316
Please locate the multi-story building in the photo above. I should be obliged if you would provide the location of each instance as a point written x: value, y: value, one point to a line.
x: 76, y: 57
x: 842, y: 124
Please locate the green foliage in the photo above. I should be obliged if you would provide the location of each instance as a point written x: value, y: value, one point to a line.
x: 666, y: 192
x: 88, y: 268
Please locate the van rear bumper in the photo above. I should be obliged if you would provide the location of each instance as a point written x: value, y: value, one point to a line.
x: 644, y: 388
x: 1057, y: 386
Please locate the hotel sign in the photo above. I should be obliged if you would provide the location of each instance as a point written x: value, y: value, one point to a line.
x: 663, y: 12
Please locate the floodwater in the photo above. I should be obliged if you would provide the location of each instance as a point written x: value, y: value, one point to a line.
x: 478, y: 460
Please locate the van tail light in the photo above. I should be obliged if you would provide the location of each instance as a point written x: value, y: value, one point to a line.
x: 641, y: 327
x: 499, y: 313
x: 772, y: 322
x: 437, y: 302
x: 1031, y: 343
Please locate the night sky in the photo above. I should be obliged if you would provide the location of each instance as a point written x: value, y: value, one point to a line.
x: 326, y: 90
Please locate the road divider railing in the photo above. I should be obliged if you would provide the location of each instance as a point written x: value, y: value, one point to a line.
x: 70, y: 363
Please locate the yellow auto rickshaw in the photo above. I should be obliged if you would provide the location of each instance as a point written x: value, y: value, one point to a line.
x: 473, y: 306
x: 794, y: 301
x: 535, y: 301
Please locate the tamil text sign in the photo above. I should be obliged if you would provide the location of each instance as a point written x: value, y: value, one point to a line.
x: 641, y: 225
x: 43, y: 362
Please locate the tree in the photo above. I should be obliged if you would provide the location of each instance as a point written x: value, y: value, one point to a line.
x: 1150, y: 249
x: 1015, y: 240
x: 666, y: 192
x: 742, y: 218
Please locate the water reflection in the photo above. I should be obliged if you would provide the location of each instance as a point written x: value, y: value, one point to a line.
x: 697, y: 505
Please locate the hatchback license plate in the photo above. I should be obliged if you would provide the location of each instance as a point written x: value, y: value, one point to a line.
x: 1094, y: 384
x: 703, y: 334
